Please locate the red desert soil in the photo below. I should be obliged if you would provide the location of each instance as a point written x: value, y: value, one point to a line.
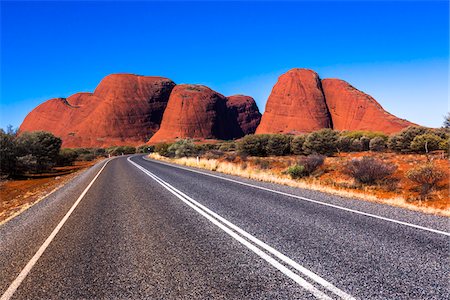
x: 17, y: 195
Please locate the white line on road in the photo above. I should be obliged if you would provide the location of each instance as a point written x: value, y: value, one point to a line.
x: 16, y: 283
x: 221, y: 222
x: 307, y: 199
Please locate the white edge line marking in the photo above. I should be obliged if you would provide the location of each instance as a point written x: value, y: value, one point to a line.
x: 307, y: 199
x: 211, y: 216
x: 23, y: 274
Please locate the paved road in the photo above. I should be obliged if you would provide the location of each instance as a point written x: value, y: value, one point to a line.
x: 144, y: 229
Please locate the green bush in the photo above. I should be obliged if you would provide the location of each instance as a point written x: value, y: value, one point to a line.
x: 401, y: 142
x: 344, y: 143
x: 425, y: 143
x: 296, y: 171
x: 162, y: 149
x: 426, y: 176
x: 8, y: 154
x: 66, y: 157
x: 358, y: 134
x: 356, y: 145
x: 297, y: 144
x: 43, y: 146
x: 368, y: 170
x: 323, y: 142
x: 377, y: 144
x: 183, y: 148
x: 121, y: 150
x: 254, y: 145
x: 365, y: 143
x: 87, y: 157
x: 278, y: 145
x: 227, y: 146
x: 145, y: 149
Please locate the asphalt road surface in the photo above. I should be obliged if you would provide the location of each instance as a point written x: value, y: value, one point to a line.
x: 129, y: 228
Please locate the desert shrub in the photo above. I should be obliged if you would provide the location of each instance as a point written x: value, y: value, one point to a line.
x: 401, y: 142
x: 145, y: 149
x: 43, y: 146
x: 28, y: 163
x: 183, y: 148
x: 278, y: 144
x: 311, y: 162
x: 377, y: 144
x: 365, y: 143
x: 227, y: 146
x: 296, y: 171
x: 358, y: 134
x: 343, y: 143
x: 66, y: 157
x: 445, y: 145
x: 321, y: 142
x: 213, y: 154
x: 368, y: 170
x: 262, y: 163
x: 87, y: 157
x: 297, y: 144
x: 121, y: 150
x: 254, y: 144
x: 425, y: 143
x: 162, y: 149
x: 356, y: 145
x: 202, y: 148
x: 426, y: 176
x: 8, y: 153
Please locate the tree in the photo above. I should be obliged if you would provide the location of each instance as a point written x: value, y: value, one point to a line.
x: 425, y: 143
x: 43, y: 146
x: 8, y: 151
x: 446, y: 121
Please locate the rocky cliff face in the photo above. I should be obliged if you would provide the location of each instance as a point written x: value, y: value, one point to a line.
x: 196, y: 111
x: 296, y: 104
x: 245, y: 111
x: 301, y: 102
x: 125, y: 109
x: 351, y: 109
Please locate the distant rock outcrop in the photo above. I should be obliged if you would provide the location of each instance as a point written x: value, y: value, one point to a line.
x: 245, y: 110
x: 128, y: 109
x: 125, y: 109
x: 351, y: 109
x: 300, y: 102
x: 196, y: 111
x: 296, y: 104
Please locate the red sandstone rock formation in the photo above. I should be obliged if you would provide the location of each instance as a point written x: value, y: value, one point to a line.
x: 244, y: 109
x: 125, y: 109
x: 295, y: 105
x: 352, y: 109
x: 196, y: 111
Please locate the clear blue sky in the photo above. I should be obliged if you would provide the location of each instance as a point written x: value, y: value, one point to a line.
x: 395, y: 51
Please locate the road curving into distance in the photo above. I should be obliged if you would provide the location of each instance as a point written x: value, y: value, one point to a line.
x: 136, y: 228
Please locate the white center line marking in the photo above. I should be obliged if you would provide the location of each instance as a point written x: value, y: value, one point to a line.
x: 308, y: 200
x: 221, y: 222
x: 16, y: 283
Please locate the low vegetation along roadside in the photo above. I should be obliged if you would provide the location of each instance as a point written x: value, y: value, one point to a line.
x: 409, y: 169
x: 33, y: 164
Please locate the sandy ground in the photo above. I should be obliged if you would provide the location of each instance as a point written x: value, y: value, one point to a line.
x: 18, y: 195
